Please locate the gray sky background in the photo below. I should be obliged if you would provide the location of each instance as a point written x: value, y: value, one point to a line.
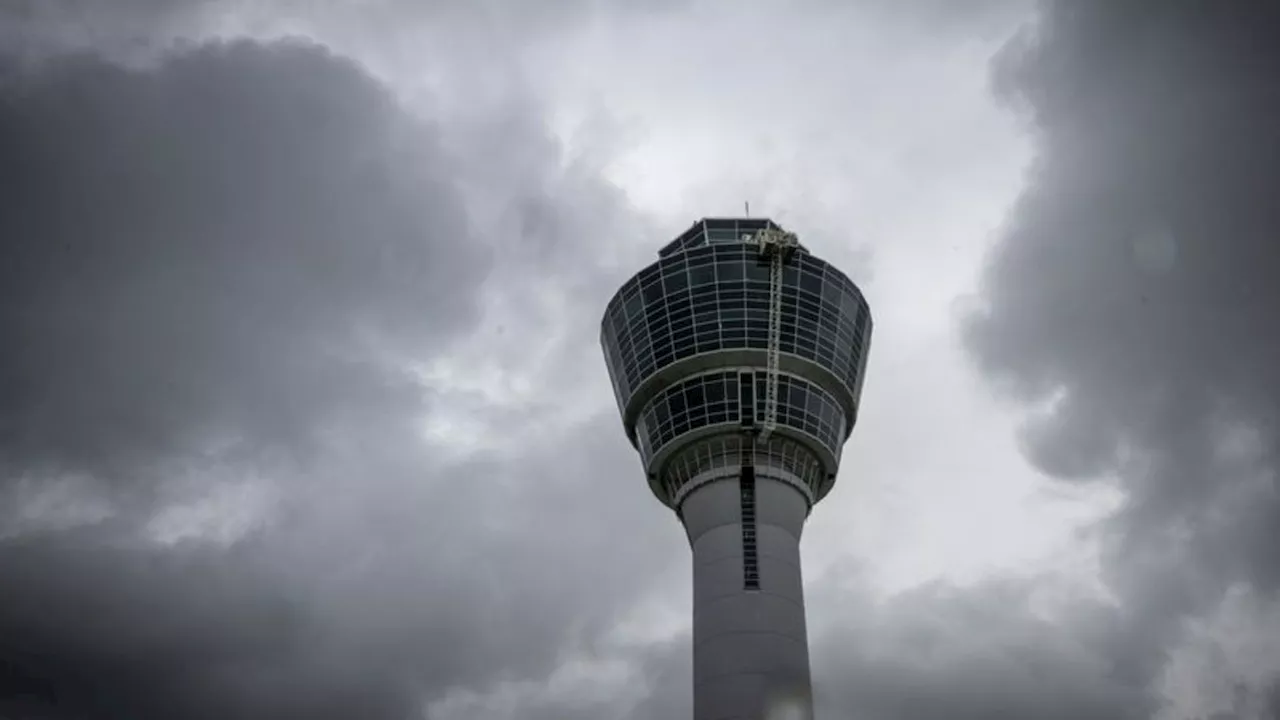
x: 302, y: 412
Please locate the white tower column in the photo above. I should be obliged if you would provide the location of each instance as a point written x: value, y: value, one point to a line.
x: 750, y: 646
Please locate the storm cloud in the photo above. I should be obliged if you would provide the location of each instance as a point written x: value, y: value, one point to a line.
x: 222, y: 267
x: 1131, y: 299
x: 214, y: 234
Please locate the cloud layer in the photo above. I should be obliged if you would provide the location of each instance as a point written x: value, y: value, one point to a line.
x: 1131, y: 296
x: 219, y: 502
x: 218, y: 249
x: 241, y: 276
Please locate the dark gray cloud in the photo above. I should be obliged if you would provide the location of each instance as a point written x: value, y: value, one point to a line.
x: 237, y: 235
x: 97, y: 624
x: 1132, y: 292
x: 938, y: 651
x: 367, y: 601
x: 217, y: 267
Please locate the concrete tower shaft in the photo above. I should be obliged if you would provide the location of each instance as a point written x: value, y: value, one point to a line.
x: 738, y: 367
x: 750, y: 644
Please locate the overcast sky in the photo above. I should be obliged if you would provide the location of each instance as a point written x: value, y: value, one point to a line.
x: 303, y: 415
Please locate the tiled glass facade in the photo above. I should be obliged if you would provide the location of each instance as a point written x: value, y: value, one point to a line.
x: 709, y: 293
x: 713, y: 398
x: 716, y: 297
x: 727, y: 451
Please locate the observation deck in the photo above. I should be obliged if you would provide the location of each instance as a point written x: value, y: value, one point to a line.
x: 686, y: 343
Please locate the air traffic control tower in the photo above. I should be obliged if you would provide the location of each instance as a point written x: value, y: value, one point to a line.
x: 737, y: 360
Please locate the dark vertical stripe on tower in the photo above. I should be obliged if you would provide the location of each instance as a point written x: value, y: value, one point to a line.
x: 746, y: 399
x: 750, y: 561
x: 747, y: 482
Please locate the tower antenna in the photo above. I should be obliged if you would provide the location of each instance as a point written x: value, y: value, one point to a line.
x: 746, y: 208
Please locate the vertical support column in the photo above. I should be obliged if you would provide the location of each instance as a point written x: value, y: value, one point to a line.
x: 750, y: 645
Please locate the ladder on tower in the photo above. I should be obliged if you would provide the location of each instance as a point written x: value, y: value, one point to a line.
x: 776, y: 247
